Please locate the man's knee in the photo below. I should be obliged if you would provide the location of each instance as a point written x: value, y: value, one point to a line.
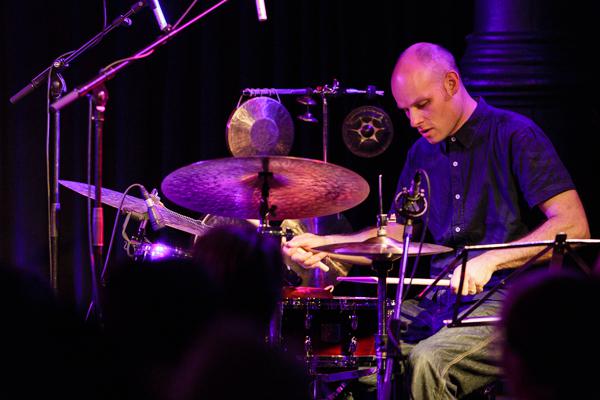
x: 423, y: 360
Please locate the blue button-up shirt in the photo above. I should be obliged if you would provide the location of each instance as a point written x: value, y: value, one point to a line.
x: 496, y: 167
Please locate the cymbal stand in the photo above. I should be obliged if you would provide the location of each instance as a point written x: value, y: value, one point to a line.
x: 265, y: 210
x: 382, y: 266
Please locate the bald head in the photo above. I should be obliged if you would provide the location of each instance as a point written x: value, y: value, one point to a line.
x: 426, y: 56
x: 427, y: 87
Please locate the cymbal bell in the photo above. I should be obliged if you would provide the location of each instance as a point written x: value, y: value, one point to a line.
x: 382, y: 248
x: 298, y: 187
x: 138, y: 207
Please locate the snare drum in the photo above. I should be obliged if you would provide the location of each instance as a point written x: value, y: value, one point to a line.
x: 330, y: 333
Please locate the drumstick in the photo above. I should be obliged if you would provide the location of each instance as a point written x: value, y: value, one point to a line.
x: 319, y: 265
x: 373, y: 279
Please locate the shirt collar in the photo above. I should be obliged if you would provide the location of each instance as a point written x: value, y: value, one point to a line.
x: 466, y: 133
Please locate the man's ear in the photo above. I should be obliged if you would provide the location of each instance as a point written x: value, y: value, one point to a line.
x: 451, y: 83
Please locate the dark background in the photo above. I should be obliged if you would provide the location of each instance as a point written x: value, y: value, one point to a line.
x: 171, y: 109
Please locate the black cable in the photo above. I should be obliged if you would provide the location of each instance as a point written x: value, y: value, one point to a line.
x: 112, y: 238
x: 114, y: 230
x: 422, y: 238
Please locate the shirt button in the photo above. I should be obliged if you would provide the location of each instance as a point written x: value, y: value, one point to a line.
x: 457, y: 196
x: 457, y: 229
x: 454, y: 163
x: 453, y: 139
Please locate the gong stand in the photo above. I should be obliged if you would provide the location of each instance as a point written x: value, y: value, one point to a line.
x: 323, y: 92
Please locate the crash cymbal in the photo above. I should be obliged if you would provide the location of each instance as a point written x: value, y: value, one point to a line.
x: 138, y: 207
x: 260, y: 126
x: 298, y: 187
x: 382, y: 248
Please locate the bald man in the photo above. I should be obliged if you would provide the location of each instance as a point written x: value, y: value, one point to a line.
x: 487, y: 168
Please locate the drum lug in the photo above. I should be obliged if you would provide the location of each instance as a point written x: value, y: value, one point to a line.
x: 307, y: 321
x: 354, y: 321
x: 352, y: 345
x: 308, y: 346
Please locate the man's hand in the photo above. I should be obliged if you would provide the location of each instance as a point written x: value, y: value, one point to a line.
x: 478, y: 273
x: 296, y: 250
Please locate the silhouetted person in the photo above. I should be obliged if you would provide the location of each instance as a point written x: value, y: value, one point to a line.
x: 246, y: 269
x: 46, y: 350
x: 550, y: 340
x: 152, y: 313
x: 232, y: 361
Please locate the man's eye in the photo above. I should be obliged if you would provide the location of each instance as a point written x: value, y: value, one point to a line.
x: 422, y: 104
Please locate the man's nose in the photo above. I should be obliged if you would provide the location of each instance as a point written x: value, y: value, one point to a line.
x: 416, y: 118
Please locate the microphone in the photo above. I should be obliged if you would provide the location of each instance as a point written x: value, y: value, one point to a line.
x: 158, y: 14
x: 412, y: 203
x: 261, y: 10
x: 415, y: 186
x: 156, y: 220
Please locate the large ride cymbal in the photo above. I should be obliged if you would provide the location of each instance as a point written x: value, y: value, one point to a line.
x: 298, y: 187
x: 382, y: 248
x: 138, y: 206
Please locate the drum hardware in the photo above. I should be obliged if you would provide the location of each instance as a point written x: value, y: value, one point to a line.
x: 324, y: 92
x: 383, y: 250
x: 559, y: 246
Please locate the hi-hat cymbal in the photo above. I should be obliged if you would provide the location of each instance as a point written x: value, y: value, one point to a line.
x: 382, y: 248
x: 138, y: 206
x: 298, y: 187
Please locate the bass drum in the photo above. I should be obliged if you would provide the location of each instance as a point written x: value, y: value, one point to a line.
x: 330, y: 334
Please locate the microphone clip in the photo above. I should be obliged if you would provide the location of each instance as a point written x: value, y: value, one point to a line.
x: 412, y: 203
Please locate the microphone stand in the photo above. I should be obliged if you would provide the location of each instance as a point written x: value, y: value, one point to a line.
x: 99, y: 99
x: 412, y: 206
x: 57, y: 89
x: 100, y: 96
x: 110, y: 71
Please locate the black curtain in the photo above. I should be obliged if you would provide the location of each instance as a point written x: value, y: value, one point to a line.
x: 170, y: 109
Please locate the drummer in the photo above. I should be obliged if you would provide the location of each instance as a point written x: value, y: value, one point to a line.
x: 484, y: 163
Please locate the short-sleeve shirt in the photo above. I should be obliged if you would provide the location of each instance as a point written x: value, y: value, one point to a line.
x: 482, y: 176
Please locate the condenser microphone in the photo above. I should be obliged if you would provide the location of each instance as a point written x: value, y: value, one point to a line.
x: 159, y: 15
x: 156, y: 220
x: 261, y: 10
